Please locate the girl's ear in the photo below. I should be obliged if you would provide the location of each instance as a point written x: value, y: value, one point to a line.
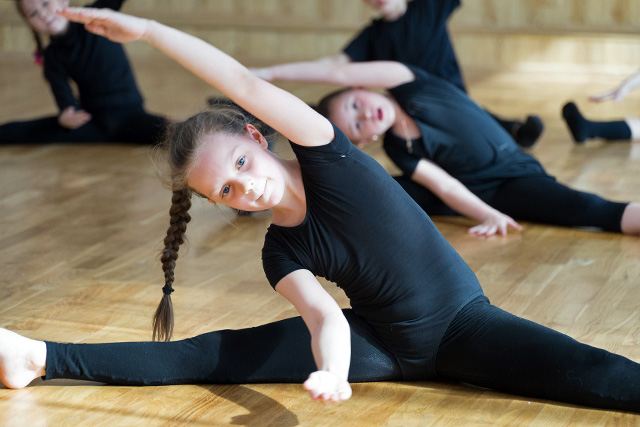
x: 256, y: 135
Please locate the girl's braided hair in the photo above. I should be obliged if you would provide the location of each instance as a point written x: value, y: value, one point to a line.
x: 180, y: 148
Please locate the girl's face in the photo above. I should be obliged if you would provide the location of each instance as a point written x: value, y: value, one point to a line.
x: 238, y: 171
x: 42, y: 15
x: 362, y: 115
x: 388, y: 9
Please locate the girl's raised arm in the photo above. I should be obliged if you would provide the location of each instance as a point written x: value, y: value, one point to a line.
x: 279, y: 109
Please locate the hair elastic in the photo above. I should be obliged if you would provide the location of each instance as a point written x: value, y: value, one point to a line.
x: 167, y: 289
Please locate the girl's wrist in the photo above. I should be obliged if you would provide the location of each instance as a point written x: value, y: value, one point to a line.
x: 149, y: 26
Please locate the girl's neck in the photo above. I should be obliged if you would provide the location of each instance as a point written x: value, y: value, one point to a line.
x: 403, y: 124
x: 292, y: 209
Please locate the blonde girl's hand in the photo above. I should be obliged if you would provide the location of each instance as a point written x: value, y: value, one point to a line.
x: 108, y: 23
x: 71, y: 118
x: 496, y: 222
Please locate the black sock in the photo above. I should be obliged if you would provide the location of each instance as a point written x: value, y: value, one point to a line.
x: 529, y: 132
x: 582, y: 129
x: 524, y: 134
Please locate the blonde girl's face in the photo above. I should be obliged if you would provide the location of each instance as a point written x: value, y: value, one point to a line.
x: 237, y: 171
x: 42, y: 16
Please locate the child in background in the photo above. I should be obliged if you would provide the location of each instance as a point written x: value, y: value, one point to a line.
x: 414, y: 33
x: 456, y: 159
x: 110, y: 106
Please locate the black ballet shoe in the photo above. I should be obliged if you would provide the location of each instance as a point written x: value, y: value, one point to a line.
x: 528, y: 133
x: 575, y: 122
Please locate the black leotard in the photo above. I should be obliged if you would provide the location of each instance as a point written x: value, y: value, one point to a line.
x: 399, y: 273
x: 457, y: 134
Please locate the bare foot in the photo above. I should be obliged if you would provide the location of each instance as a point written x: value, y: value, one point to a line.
x: 630, y: 223
x: 21, y: 359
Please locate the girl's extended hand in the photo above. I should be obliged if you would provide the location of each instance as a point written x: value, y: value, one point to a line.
x: 496, y: 222
x: 325, y: 386
x: 108, y: 23
x: 71, y: 118
x: 616, y: 95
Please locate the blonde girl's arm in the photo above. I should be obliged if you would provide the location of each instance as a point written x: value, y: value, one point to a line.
x: 281, y: 110
x: 330, y: 335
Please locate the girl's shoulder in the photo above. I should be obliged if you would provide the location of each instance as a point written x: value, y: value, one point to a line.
x: 339, y: 148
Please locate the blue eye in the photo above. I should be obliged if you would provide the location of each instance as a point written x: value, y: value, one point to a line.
x: 241, y: 161
x: 225, y: 190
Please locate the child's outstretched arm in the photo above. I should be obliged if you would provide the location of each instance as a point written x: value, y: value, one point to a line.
x: 299, y: 71
x: 620, y: 92
x: 330, y: 335
x: 459, y: 198
x: 276, y: 107
x: 378, y: 74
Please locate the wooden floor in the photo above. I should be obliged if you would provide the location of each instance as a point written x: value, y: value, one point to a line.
x: 81, y: 228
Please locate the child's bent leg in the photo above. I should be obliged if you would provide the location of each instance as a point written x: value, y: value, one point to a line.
x: 489, y: 347
x: 276, y: 352
x: 526, y: 133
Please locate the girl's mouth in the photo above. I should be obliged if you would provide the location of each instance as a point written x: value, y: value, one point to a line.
x: 380, y: 114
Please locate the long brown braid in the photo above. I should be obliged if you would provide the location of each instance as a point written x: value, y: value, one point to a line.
x: 180, y: 150
x: 179, y: 218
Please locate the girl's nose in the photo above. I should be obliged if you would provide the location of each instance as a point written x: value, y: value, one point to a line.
x: 44, y: 14
x: 247, y: 185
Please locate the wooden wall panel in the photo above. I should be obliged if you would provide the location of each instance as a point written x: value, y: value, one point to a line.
x: 612, y: 16
x: 487, y: 33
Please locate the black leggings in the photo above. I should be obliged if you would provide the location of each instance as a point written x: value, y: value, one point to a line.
x: 537, y: 199
x: 484, y: 346
x: 126, y: 124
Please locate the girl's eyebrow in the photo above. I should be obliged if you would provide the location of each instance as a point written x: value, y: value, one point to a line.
x: 198, y: 194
